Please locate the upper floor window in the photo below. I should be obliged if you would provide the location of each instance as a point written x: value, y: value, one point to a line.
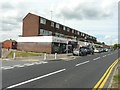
x: 43, y: 21
x: 68, y: 29
x: 64, y: 28
x: 83, y: 34
x: 57, y: 34
x: 78, y: 33
x: 45, y: 32
x: 61, y: 35
x: 72, y: 31
x: 52, y: 24
x: 57, y: 25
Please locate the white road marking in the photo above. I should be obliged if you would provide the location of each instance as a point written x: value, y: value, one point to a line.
x: 82, y: 63
x: 37, y: 78
x: 17, y: 66
x: 21, y: 66
x: 104, y: 56
x: 29, y: 64
x: 37, y: 63
x: 44, y: 62
x: 96, y: 58
x: 7, y: 67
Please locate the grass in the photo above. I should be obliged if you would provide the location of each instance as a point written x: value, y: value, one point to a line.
x: 116, y: 79
x: 23, y: 54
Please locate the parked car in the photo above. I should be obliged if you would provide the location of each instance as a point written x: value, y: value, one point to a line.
x: 89, y: 50
x: 97, y: 50
x: 80, y: 51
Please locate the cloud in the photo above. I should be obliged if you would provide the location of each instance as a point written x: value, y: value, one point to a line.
x: 109, y: 39
x: 75, y: 11
x: 6, y: 6
x: 86, y: 10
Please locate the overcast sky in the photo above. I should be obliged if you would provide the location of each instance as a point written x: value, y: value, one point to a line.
x: 95, y: 17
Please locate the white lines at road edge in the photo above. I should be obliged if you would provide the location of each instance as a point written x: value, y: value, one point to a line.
x: 96, y: 58
x: 8, y: 67
x: 26, y: 64
x: 82, y: 63
x: 36, y: 78
x: 104, y: 56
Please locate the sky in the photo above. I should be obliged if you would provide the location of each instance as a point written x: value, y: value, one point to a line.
x: 98, y: 18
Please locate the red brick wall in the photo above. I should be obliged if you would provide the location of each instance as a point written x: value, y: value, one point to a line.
x: 31, y: 25
x: 35, y: 47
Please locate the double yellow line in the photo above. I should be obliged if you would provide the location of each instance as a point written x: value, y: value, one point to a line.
x: 100, y: 84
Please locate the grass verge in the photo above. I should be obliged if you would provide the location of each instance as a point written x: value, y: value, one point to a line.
x: 116, y: 79
x: 23, y: 54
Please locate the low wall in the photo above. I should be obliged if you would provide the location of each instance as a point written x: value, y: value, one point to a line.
x: 35, y: 46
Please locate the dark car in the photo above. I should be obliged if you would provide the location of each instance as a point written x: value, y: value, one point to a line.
x: 80, y: 51
x: 89, y: 50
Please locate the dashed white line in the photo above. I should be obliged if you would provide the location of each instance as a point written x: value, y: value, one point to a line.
x: 96, y: 58
x: 37, y: 78
x: 82, y: 63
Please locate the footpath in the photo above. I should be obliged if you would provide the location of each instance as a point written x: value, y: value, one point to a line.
x: 44, y: 57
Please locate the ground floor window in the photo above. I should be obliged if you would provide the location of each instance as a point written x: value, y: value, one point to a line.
x: 58, y: 47
x: 62, y: 47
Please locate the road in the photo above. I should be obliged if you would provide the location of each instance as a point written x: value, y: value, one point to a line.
x: 83, y: 72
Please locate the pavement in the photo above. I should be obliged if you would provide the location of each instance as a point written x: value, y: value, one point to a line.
x: 36, y: 59
x: 43, y: 57
x: 82, y: 72
x: 5, y: 52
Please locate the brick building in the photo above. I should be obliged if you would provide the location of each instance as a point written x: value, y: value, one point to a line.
x: 10, y: 44
x: 43, y: 35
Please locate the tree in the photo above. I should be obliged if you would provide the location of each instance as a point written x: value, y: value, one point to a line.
x: 103, y: 43
x: 116, y: 46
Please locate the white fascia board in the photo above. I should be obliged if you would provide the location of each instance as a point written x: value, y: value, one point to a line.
x: 44, y: 39
x: 59, y: 39
x: 35, y: 39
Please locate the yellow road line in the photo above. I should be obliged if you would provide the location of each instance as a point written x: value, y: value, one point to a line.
x: 104, y: 78
x: 103, y: 83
